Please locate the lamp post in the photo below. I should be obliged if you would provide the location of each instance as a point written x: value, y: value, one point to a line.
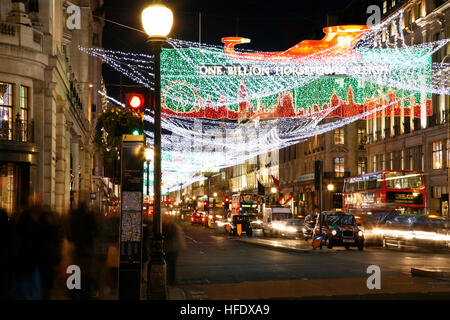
x: 157, y: 21
x: 148, y: 157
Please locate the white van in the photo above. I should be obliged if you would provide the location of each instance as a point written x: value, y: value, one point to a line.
x: 272, y: 216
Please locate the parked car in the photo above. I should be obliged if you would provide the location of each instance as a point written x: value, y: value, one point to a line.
x: 339, y: 229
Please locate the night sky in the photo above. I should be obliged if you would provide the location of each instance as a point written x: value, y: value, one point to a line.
x: 271, y: 25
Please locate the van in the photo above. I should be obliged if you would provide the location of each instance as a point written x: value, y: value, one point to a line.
x: 272, y: 216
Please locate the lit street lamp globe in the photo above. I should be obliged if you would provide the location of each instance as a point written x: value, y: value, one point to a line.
x: 157, y: 20
x: 273, y: 190
x: 148, y: 154
x: 215, y: 194
x: 330, y: 187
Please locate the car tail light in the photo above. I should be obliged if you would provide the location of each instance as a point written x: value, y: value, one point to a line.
x: 192, y: 218
x: 203, y: 219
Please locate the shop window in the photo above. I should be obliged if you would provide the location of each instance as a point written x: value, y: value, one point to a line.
x: 339, y: 167
x: 339, y: 136
x: 437, y: 155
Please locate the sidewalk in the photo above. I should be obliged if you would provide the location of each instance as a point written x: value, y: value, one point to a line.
x: 322, y: 288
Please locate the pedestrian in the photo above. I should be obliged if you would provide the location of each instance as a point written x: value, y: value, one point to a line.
x: 5, y: 254
x: 81, y: 232
x: 36, y: 253
x: 174, y: 244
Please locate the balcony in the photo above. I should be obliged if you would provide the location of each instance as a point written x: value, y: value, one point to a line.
x: 18, y: 130
x: 387, y: 133
x: 21, y: 35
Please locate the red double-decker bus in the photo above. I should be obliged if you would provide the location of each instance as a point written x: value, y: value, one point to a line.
x: 244, y: 203
x: 388, y: 190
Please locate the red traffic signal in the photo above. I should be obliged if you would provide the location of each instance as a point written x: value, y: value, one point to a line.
x: 227, y: 200
x: 205, y: 203
x: 134, y: 101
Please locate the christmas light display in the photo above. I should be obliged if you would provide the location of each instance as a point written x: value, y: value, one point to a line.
x: 223, y: 106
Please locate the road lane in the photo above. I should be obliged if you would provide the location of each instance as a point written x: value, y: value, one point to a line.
x: 215, y: 257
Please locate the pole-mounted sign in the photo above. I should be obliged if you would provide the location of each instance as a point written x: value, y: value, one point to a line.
x: 132, y: 174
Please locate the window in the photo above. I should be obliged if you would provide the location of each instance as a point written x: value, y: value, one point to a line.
x: 24, y: 102
x: 391, y: 160
x: 419, y: 11
x: 339, y: 167
x: 6, y: 110
x: 361, y: 136
x: 362, y: 165
x: 393, y: 3
x: 374, y: 163
x: 437, y: 155
x: 339, y: 136
x: 448, y: 153
x: 384, y: 6
x: 383, y: 161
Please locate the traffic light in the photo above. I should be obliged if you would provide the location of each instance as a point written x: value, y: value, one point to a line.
x: 227, y: 200
x: 205, y: 205
x: 136, y: 99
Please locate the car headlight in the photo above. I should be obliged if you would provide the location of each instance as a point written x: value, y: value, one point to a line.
x: 218, y: 216
x: 334, y: 232
x: 291, y: 229
x: 360, y: 233
x: 282, y: 228
x: 210, y: 217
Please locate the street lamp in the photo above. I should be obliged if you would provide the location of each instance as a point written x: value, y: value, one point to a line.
x: 330, y: 187
x: 215, y: 194
x: 157, y: 21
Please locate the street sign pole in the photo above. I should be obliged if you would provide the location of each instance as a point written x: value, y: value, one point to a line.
x: 132, y: 173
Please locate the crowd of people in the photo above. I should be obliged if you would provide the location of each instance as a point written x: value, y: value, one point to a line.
x: 38, y: 245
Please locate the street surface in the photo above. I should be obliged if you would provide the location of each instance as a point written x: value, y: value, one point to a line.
x: 214, y: 257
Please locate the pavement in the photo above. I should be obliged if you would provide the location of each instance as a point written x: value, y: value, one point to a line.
x: 316, y: 288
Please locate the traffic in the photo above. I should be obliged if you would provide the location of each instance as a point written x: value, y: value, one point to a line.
x: 383, y: 209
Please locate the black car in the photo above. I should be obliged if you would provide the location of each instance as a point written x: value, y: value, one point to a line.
x: 308, y: 226
x: 245, y: 222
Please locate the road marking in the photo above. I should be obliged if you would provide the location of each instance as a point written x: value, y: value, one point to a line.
x: 191, y: 239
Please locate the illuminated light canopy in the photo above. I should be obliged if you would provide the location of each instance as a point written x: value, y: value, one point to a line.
x: 268, y: 101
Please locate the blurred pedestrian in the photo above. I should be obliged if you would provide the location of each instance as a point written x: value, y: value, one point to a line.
x: 36, y: 253
x: 81, y: 231
x: 174, y: 244
x: 5, y: 254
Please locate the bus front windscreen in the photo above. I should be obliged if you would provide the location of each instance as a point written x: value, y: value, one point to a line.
x: 403, y: 180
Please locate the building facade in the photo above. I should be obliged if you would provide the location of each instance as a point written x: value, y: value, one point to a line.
x: 48, y: 104
x: 419, y: 139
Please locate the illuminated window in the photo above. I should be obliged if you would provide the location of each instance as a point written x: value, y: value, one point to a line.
x: 393, y: 3
x: 6, y: 110
x: 339, y: 167
x: 24, y: 102
x: 361, y: 136
x: 448, y: 153
x: 362, y: 165
x: 374, y: 163
x: 437, y: 154
x: 339, y: 136
x: 385, y: 6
